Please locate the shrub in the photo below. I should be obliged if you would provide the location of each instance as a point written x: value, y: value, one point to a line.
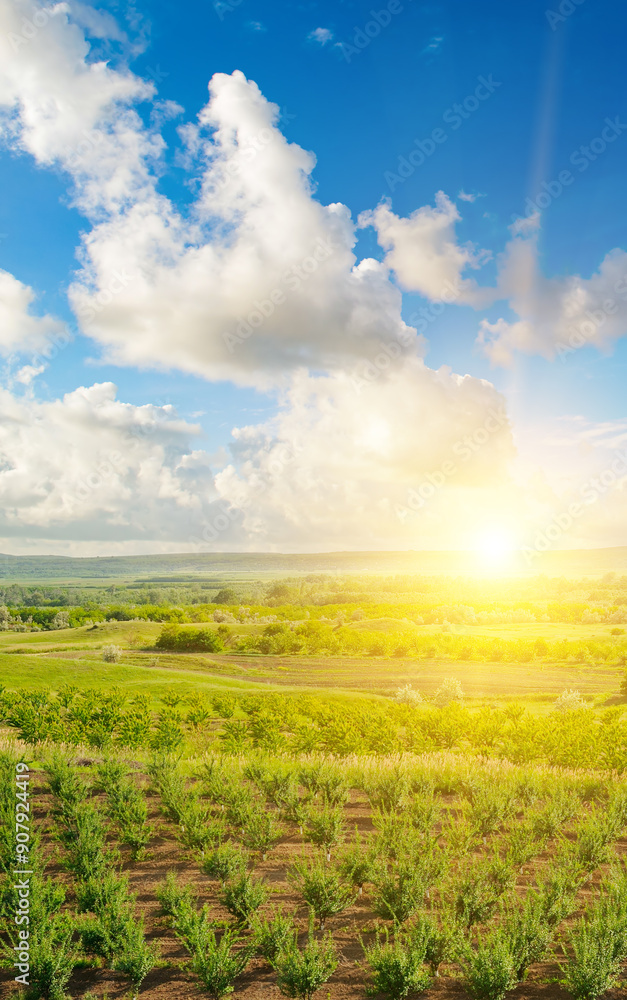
x: 52, y: 958
x: 450, y: 690
x: 593, y: 968
x: 400, y: 892
x: 219, y: 963
x: 302, y: 971
x: 321, y: 887
x: 397, y: 969
x: 272, y: 934
x: 111, y: 654
x: 437, y: 942
x: 136, y: 958
x: 489, y: 971
x: 408, y: 695
x: 225, y: 862
x: 261, y: 832
x: 569, y: 701
x: 325, y: 827
x: 243, y: 895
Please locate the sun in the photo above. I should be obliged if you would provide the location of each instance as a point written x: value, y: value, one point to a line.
x: 496, y: 547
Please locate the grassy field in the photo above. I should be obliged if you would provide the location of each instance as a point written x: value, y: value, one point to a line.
x: 74, y: 656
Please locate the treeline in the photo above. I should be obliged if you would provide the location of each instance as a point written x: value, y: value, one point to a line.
x: 320, y: 638
x: 21, y: 617
x: 296, y: 724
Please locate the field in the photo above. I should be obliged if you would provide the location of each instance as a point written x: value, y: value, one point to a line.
x: 317, y: 786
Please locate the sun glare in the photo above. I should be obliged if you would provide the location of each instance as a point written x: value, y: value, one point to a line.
x: 496, y: 547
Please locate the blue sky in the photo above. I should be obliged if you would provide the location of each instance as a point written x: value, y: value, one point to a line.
x: 549, y: 79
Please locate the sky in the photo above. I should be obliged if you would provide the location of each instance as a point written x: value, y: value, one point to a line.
x: 312, y: 276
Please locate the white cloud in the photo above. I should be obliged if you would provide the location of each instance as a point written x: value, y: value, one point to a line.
x: 320, y: 35
x: 20, y: 330
x: 70, y: 112
x: 557, y: 316
x: 387, y: 438
x: 423, y: 250
x: 260, y: 279
x: 89, y: 466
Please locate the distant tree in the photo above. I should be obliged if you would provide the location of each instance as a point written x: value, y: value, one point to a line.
x: 61, y: 620
x: 225, y: 596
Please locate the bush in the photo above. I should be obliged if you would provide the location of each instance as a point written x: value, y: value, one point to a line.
x: 593, y: 968
x: 489, y: 971
x: 325, y: 827
x: 408, y: 695
x: 302, y: 971
x: 569, y: 701
x: 189, y: 640
x: 321, y: 887
x: 52, y: 960
x: 136, y: 958
x: 272, y: 934
x: 225, y: 862
x: 243, y: 896
x: 111, y: 654
x: 397, y: 969
x: 261, y: 832
x: 450, y: 690
x: 219, y: 963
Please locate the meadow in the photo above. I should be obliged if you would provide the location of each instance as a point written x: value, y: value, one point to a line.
x: 317, y: 786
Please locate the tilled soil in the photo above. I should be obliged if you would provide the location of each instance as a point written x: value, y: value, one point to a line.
x: 166, y: 854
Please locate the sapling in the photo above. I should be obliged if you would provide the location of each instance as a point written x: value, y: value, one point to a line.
x: 302, y: 971
x: 136, y: 958
x: 52, y: 959
x: 261, y: 832
x: 489, y: 967
x: 272, y: 934
x: 437, y: 942
x: 399, y: 892
x: 396, y: 969
x: 529, y: 934
x: 593, y: 968
x: 225, y: 862
x: 321, y: 887
x: 325, y: 827
x: 357, y: 863
x: 243, y: 895
x: 220, y: 962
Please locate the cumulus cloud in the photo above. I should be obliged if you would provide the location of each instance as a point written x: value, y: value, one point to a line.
x: 21, y: 330
x: 556, y: 316
x: 260, y: 279
x: 387, y: 438
x: 91, y: 466
x: 423, y: 250
x: 68, y: 111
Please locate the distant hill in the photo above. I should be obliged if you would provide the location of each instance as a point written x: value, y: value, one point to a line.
x: 572, y: 563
